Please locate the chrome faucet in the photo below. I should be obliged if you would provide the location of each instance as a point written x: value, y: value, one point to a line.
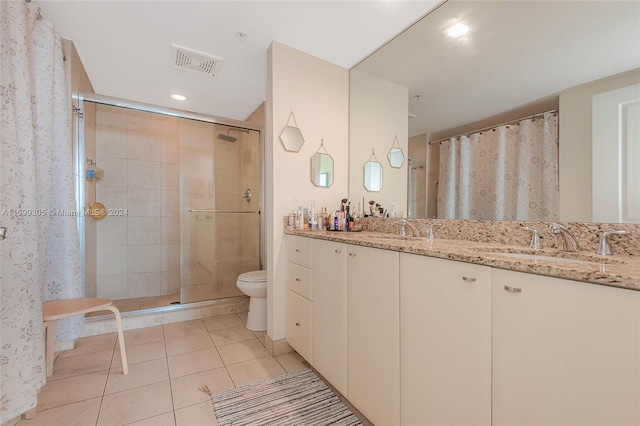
x: 404, y: 223
x: 430, y: 230
x: 535, y: 237
x: 565, y: 240
x: 603, y: 246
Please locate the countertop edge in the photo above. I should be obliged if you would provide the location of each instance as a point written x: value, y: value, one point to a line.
x: 625, y: 275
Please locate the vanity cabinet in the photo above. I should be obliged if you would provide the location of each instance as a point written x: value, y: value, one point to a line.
x: 299, y: 324
x: 299, y: 298
x: 564, y: 352
x: 374, y: 333
x: 445, y: 342
x: 330, y: 312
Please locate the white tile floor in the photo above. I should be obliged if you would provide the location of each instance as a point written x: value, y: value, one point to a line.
x: 167, y: 366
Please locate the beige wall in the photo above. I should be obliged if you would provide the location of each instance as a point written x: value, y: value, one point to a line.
x: 378, y: 113
x: 317, y: 92
x: 575, y: 144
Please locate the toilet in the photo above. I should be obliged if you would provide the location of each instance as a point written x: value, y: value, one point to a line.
x: 254, y: 285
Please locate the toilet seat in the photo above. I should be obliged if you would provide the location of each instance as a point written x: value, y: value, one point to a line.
x: 253, y: 277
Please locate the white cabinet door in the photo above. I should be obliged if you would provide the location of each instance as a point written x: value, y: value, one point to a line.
x: 445, y: 335
x: 373, y: 331
x: 564, y: 352
x: 330, y: 312
x: 299, y: 324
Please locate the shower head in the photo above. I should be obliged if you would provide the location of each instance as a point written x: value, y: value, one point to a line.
x: 227, y: 137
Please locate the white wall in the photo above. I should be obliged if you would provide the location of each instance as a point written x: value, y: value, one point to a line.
x: 575, y: 144
x: 378, y: 112
x: 317, y: 92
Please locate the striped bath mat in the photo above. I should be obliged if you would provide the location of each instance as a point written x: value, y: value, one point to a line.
x: 299, y: 398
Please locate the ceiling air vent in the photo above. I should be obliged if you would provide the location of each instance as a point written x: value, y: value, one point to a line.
x: 194, y: 61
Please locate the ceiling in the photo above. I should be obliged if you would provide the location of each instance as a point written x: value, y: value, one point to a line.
x: 516, y: 53
x: 125, y: 45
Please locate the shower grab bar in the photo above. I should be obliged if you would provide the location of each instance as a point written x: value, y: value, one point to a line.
x: 218, y: 211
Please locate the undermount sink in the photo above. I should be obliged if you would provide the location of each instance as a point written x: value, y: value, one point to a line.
x: 392, y: 237
x: 549, y: 256
x: 541, y: 258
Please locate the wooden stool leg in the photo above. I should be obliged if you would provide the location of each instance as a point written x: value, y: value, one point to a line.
x: 50, y: 346
x: 30, y: 415
x: 123, y: 353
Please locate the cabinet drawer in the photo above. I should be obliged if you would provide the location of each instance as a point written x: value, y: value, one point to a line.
x: 299, y: 325
x: 300, y: 280
x: 300, y: 250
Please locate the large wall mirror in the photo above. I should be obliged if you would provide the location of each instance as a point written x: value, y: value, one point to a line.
x: 518, y: 59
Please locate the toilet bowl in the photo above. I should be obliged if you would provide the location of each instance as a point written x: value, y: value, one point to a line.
x: 254, y: 285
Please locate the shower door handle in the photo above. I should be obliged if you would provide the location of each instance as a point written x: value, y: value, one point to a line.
x: 218, y: 211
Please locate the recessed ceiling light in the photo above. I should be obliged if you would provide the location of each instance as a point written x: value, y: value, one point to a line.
x: 179, y: 97
x: 458, y: 30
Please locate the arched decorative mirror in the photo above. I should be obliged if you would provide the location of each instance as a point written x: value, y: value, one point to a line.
x: 396, y: 156
x: 373, y: 174
x: 322, y: 167
x: 291, y: 136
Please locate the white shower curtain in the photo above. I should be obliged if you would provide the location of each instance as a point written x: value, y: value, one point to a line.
x: 508, y: 173
x: 40, y: 258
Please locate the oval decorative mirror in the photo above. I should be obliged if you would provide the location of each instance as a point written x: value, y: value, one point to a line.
x: 373, y: 174
x: 322, y: 167
x: 396, y: 156
x: 291, y: 136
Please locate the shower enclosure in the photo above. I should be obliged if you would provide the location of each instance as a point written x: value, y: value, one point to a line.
x: 182, y: 193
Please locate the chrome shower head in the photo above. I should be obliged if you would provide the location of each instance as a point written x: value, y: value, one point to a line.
x: 226, y: 137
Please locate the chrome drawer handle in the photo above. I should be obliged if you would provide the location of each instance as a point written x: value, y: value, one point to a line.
x: 513, y: 289
x: 297, y: 324
x: 338, y: 251
x: 352, y: 254
x: 469, y: 279
x: 298, y: 279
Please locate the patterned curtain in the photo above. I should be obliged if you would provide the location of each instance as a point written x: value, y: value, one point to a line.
x: 39, y: 259
x: 507, y: 173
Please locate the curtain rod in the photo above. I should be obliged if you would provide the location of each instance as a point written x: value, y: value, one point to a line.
x: 484, y: 129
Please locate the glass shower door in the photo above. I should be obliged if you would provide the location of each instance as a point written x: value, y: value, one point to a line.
x: 219, y: 208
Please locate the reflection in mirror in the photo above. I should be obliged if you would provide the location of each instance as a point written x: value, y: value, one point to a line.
x: 396, y: 157
x: 373, y: 176
x: 322, y: 169
x: 291, y: 136
x: 460, y: 85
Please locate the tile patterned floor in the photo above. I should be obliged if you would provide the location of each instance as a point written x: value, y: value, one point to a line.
x: 167, y: 366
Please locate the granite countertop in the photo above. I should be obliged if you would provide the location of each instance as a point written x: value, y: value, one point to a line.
x: 613, y: 271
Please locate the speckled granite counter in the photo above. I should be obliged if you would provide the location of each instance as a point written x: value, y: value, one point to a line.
x: 615, y: 271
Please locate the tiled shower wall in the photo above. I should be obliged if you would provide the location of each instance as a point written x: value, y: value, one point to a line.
x: 138, y: 253
x: 217, y: 247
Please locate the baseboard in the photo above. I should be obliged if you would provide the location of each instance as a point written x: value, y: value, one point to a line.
x: 277, y: 347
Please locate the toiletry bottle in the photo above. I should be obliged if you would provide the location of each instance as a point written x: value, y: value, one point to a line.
x: 291, y: 220
x: 322, y: 223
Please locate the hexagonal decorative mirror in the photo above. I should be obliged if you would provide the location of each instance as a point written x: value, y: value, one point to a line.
x: 396, y: 156
x: 291, y: 137
x: 373, y: 174
x: 322, y: 167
